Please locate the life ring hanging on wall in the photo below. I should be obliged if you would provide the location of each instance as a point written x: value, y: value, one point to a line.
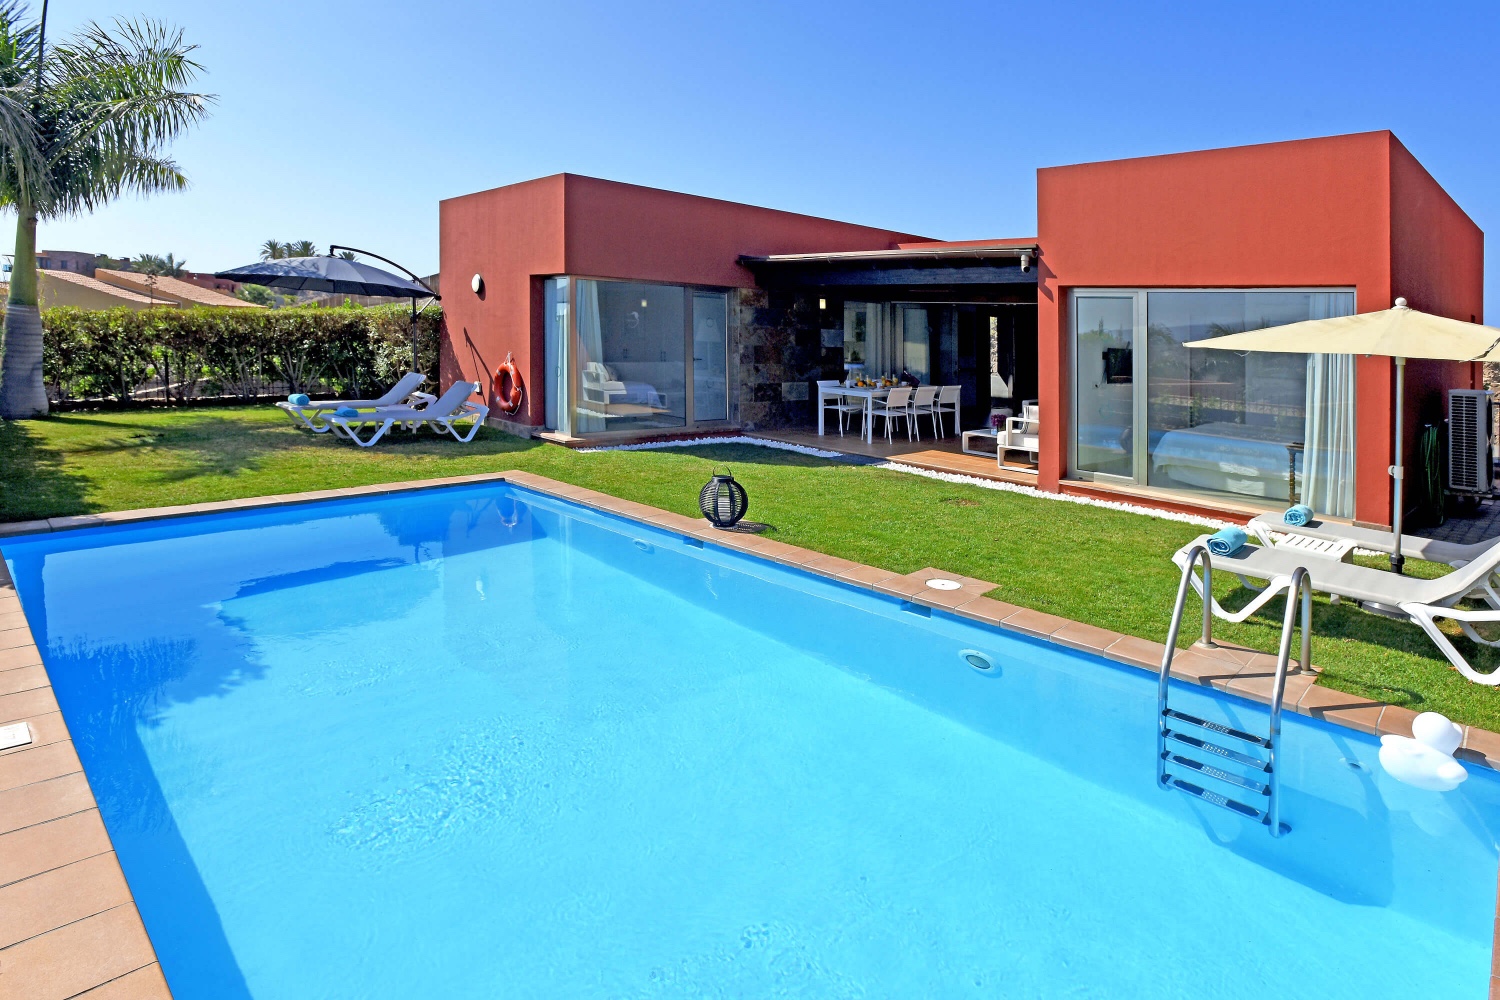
x: 508, y: 401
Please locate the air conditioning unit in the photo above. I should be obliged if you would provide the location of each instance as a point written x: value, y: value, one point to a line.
x: 1470, y: 467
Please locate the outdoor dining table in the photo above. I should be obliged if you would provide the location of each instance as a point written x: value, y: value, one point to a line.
x: 869, y: 395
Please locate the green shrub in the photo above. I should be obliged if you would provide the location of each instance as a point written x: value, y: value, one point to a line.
x: 179, y: 355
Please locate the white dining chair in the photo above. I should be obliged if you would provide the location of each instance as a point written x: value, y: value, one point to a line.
x: 840, y: 404
x: 924, y: 404
x: 947, y: 402
x: 896, y: 404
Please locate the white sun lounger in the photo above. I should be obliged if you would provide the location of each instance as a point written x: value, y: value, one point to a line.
x: 403, y: 393
x: 1424, y: 602
x: 1333, y: 539
x: 445, y: 414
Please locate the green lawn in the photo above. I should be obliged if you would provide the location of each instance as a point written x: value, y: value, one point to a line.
x: 1101, y: 566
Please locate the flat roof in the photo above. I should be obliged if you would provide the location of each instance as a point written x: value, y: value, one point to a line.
x: 906, y: 252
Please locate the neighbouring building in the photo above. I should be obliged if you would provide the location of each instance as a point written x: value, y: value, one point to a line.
x: 75, y: 261
x: 634, y: 312
x: 172, y: 291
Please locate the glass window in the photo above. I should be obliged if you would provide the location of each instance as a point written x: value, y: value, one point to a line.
x: 631, y: 366
x: 555, y: 322
x: 1103, y: 387
x: 710, y: 356
x: 1273, y: 427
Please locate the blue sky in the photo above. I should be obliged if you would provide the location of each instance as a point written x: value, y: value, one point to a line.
x: 347, y: 122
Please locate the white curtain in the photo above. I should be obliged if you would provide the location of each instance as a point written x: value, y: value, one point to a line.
x: 590, y: 349
x: 1328, y: 440
x: 878, y: 349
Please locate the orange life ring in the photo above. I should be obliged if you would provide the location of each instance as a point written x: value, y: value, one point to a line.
x: 510, y: 401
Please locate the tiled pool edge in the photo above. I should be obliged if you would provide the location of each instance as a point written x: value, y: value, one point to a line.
x: 1242, y: 672
x: 68, y: 923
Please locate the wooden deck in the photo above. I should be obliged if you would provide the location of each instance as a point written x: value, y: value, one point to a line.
x: 942, y: 455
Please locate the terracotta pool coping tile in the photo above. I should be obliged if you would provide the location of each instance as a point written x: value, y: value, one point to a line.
x: 900, y: 586
x: 1258, y: 685
x: 10, y: 528
x: 1202, y: 667
x: 987, y: 610
x: 1480, y: 746
x: 1395, y: 721
x: 16, y: 638
x: 25, y: 678
x: 25, y: 704
x: 79, y: 956
x: 45, y: 730
x: 1038, y: 623
x: 44, y: 801
x: 35, y: 849
x: 1136, y: 652
x: 1345, y: 709
x: 790, y: 555
x: 32, y: 763
x: 52, y: 899
x: 866, y: 576
x: 834, y: 566
x: 1090, y: 638
x: 146, y: 983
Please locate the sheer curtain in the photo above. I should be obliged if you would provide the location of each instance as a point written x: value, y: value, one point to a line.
x: 1328, y: 440
x: 591, y: 350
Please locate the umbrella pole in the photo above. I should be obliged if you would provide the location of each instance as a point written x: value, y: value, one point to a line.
x: 414, y: 337
x: 1397, y: 472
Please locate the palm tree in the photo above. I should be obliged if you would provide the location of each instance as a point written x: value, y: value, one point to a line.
x: 302, y: 248
x: 102, y: 107
x: 347, y: 254
x: 155, y: 264
x: 272, y: 250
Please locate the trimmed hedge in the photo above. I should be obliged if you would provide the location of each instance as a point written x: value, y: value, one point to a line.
x: 181, y: 355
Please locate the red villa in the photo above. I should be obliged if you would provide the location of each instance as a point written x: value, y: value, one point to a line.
x: 635, y: 313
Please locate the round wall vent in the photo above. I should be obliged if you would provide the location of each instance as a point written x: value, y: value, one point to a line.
x: 477, y: 283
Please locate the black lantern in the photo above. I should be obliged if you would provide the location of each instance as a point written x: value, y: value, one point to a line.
x: 723, y: 501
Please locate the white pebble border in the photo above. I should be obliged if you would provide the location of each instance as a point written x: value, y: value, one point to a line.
x: 947, y: 477
x: 701, y: 442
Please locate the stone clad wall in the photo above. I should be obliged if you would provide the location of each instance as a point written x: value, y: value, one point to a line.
x: 778, y: 347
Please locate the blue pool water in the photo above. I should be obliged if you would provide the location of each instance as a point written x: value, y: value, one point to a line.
x: 477, y: 742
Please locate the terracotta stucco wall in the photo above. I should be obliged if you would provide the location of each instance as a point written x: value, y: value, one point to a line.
x: 568, y: 224
x: 1437, y: 265
x: 1315, y: 212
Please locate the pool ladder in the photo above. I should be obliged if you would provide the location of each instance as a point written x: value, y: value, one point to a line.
x: 1195, y: 748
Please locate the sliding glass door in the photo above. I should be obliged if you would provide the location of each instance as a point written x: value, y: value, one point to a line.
x: 1104, y: 402
x: 1267, y: 428
x: 617, y: 356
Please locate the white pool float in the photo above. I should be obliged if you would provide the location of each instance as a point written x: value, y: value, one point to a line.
x: 1425, y: 759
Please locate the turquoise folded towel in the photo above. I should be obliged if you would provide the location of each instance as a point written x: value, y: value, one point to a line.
x: 1297, y: 515
x: 1227, y: 541
x: 349, y: 411
x: 298, y: 399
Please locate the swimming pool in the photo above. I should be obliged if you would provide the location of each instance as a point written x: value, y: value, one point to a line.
x: 479, y: 741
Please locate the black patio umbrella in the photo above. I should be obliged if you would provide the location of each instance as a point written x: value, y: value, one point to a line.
x: 337, y: 275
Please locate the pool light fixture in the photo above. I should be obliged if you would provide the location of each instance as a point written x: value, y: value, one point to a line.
x: 979, y: 661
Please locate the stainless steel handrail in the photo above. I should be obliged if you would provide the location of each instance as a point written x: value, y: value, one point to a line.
x: 1195, y: 553
x: 1301, y: 583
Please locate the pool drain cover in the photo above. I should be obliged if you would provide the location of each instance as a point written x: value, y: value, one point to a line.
x: 941, y: 584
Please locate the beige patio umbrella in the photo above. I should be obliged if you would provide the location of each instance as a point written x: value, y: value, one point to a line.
x: 1398, y: 333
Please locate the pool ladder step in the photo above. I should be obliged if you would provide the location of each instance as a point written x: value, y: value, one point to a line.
x: 1184, y: 758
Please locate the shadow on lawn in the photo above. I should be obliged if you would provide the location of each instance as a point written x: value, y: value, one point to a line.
x: 34, y: 479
